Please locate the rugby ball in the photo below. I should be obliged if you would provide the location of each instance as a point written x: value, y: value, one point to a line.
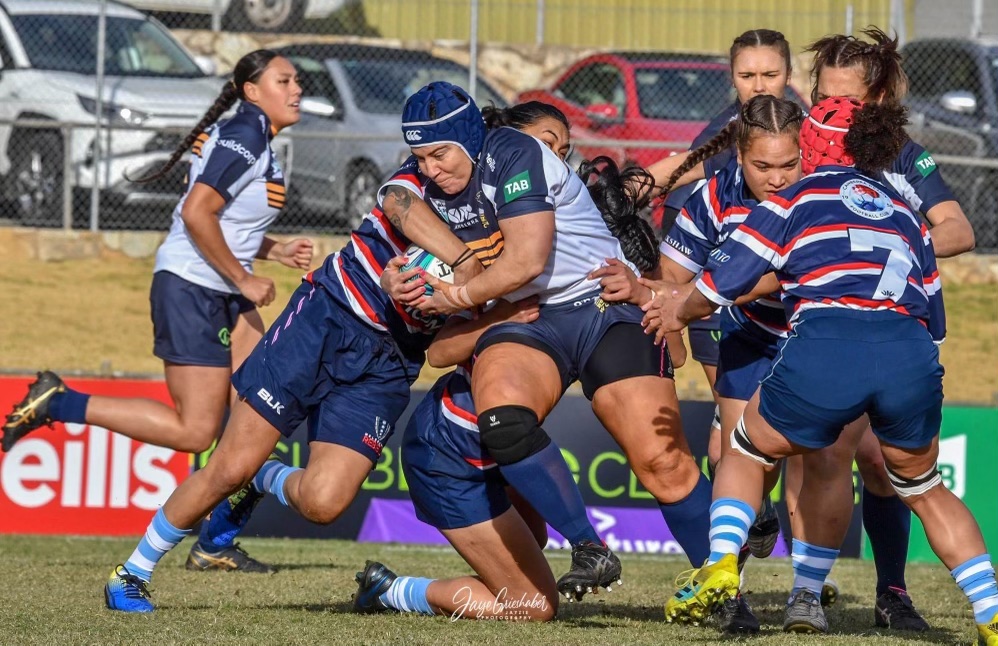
x: 419, y: 257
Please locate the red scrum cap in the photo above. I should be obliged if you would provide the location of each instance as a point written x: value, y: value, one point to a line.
x: 822, y: 136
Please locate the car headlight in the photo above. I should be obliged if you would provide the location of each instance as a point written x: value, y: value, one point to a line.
x: 114, y: 113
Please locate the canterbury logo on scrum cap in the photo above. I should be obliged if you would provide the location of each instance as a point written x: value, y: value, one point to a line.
x: 413, y: 135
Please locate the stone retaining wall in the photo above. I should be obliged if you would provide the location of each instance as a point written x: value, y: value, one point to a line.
x: 53, y: 245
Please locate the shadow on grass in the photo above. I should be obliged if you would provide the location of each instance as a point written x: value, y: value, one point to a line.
x: 856, y: 620
x: 337, y: 607
x: 288, y: 567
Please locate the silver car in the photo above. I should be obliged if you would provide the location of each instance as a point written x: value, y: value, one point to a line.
x: 349, y: 138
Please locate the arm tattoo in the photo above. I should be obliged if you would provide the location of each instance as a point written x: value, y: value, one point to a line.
x: 398, y: 213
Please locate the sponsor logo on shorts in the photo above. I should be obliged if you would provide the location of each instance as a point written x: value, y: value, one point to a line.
x: 275, y: 405
x: 225, y: 337
x: 925, y: 164
x: 865, y: 200
x: 375, y: 438
x: 239, y: 149
x: 517, y: 186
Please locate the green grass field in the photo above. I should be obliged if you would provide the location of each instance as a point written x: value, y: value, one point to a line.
x: 53, y: 595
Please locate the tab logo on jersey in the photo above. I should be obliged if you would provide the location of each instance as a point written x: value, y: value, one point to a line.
x: 517, y: 186
x: 925, y: 164
x: 865, y: 200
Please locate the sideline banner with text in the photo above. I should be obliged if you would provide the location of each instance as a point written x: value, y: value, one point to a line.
x: 78, y: 479
x: 82, y: 479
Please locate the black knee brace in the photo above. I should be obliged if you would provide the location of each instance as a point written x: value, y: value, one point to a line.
x: 511, y: 433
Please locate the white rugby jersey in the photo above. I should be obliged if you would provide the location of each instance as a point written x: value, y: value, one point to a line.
x: 517, y: 174
x: 233, y: 157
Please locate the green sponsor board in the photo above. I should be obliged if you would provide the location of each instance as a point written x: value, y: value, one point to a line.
x: 968, y: 453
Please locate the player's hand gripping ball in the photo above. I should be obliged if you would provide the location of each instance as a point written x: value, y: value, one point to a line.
x: 419, y: 257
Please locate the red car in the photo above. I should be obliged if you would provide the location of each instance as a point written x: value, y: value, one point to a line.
x: 615, y: 98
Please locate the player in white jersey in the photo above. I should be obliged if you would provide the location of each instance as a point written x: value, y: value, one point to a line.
x: 204, y: 294
x: 540, y: 233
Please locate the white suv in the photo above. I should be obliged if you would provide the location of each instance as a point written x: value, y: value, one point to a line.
x: 266, y: 15
x: 48, y: 73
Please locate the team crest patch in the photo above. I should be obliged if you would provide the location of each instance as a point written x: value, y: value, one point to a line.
x: 516, y: 186
x: 865, y: 200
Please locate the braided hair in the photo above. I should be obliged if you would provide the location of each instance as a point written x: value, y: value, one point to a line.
x: 621, y: 195
x: 760, y: 113
x: 880, y: 60
x: 248, y: 70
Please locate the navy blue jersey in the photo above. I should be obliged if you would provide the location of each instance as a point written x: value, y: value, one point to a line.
x: 678, y: 197
x: 916, y: 177
x: 835, y: 239
x: 517, y: 174
x: 352, y: 276
x: 705, y: 222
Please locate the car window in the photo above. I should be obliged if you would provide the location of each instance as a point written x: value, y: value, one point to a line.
x: 315, y: 80
x: 381, y: 87
x: 682, y: 94
x: 600, y: 83
x: 134, y: 47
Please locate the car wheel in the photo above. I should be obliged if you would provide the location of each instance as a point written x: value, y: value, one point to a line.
x: 361, y: 195
x: 35, y: 179
x: 265, y: 15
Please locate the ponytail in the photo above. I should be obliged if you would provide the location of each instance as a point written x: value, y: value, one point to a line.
x: 880, y: 60
x: 620, y: 196
x: 720, y: 142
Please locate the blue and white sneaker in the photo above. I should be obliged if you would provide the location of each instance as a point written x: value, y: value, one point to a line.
x: 373, y: 582
x: 126, y: 592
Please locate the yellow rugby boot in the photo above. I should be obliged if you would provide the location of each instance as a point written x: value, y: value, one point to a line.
x: 703, y: 591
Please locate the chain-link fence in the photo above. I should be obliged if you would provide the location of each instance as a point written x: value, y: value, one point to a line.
x: 61, y: 165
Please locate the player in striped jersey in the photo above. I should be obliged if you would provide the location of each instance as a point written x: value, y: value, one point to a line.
x: 341, y: 358
x: 860, y: 287
x: 768, y: 160
x: 871, y: 71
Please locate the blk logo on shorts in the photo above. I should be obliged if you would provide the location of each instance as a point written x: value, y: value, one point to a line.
x: 275, y: 405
